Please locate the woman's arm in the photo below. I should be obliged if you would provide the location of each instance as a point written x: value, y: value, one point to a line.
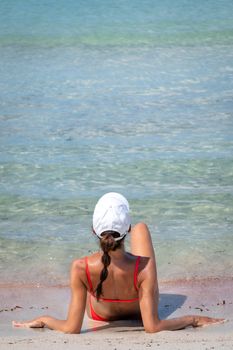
x: 182, y: 322
x: 77, y: 306
x: 148, y: 300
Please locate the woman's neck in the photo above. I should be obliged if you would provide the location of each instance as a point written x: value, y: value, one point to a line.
x: 118, y: 253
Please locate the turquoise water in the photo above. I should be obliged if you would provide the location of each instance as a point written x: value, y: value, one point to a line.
x: 125, y: 96
x: 99, y: 22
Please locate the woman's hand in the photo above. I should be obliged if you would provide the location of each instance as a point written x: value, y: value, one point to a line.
x: 37, y: 323
x: 201, y: 321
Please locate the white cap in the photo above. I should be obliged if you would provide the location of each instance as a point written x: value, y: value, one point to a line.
x: 111, y: 214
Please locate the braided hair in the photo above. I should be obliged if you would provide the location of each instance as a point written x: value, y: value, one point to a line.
x: 107, y: 244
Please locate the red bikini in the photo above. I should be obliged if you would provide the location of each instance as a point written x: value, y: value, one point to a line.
x: 94, y: 315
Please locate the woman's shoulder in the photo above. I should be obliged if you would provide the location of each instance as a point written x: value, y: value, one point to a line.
x: 80, y: 264
x: 147, y: 269
x: 143, y: 261
x: 80, y: 268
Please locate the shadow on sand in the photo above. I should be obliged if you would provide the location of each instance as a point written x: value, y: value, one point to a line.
x: 168, y: 304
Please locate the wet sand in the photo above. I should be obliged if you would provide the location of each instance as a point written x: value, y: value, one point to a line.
x: 210, y: 297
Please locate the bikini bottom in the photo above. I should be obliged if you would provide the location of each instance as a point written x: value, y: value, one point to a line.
x: 94, y: 315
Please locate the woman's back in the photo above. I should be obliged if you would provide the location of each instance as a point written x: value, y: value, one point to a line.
x: 120, y: 290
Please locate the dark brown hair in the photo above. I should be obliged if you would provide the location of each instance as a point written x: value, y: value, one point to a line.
x: 107, y: 244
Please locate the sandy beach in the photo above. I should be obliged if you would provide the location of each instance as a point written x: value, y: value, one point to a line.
x: 211, y: 297
x: 132, y: 97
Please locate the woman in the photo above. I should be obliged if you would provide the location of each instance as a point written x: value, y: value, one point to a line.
x: 114, y: 284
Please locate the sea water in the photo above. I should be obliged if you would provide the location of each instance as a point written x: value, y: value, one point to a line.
x: 127, y: 96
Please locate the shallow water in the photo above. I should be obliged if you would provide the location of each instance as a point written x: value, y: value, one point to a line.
x: 98, y: 97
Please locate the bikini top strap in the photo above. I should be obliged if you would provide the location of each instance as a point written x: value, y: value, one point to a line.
x: 136, y: 273
x: 88, y: 275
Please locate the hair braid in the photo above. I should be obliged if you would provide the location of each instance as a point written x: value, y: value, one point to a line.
x: 107, y: 244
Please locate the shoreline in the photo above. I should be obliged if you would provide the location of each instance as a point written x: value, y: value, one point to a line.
x: 175, y: 281
x: 210, y: 297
